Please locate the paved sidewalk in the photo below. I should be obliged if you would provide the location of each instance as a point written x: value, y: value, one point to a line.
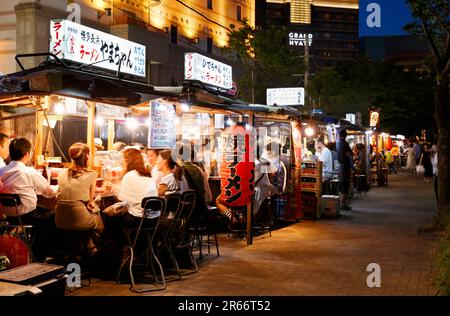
x: 325, y: 257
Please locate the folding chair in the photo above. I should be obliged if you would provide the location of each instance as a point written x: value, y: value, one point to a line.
x: 13, y: 200
x: 179, y: 238
x: 149, y: 224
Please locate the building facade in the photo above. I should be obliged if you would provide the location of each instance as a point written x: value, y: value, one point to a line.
x: 333, y: 25
x: 168, y: 28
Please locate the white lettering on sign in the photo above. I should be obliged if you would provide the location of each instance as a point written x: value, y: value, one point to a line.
x: 207, y: 70
x: 78, y: 43
x: 300, y: 39
x: 374, y: 18
x: 286, y: 96
x: 162, y: 129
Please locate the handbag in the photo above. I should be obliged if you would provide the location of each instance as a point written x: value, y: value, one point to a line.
x: 117, y: 209
x: 420, y: 170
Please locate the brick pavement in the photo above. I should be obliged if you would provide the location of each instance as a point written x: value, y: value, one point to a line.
x: 324, y: 257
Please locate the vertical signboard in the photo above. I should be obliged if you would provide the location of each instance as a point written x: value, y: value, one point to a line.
x: 162, y: 129
x: 237, y: 167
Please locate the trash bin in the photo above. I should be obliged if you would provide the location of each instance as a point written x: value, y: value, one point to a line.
x: 49, y: 278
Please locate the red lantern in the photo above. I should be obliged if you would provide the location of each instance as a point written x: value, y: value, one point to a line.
x: 388, y: 145
x: 237, y: 168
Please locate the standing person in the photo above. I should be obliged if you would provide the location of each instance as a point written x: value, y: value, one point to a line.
x: 327, y: 159
x: 28, y: 183
x: 344, y: 155
x: 434, y: 162
x: 411, y: 158
x: 417, y: 151
x: 4, y: 149
x: 332, y: 147
x: 426, y: 162
x: 75, y: 209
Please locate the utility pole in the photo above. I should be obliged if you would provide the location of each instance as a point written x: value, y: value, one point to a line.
x: 306, y: 67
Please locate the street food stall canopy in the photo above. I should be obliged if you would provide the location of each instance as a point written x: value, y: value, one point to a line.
x: 56, y: 78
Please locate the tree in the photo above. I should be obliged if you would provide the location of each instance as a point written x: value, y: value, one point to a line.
x: 433, y: 23
x: 264, y: 59
x: 405, y: 98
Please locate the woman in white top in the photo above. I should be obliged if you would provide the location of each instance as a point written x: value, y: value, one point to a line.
x: 171, y: 181
x: 136, y: 184
x: 411, y: 159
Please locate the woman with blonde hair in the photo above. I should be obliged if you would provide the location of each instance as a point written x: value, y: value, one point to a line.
x: 75, y: 209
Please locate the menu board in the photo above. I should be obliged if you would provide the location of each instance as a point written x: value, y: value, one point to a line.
x: 162, y: 129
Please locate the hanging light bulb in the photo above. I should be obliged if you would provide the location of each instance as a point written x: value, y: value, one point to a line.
x: 131, y: 123
x: 59, y: 108
x: 230, y: 122
x: 99, y: 121
x: 309, y: 131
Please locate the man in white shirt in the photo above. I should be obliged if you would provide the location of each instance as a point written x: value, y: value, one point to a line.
x: 17, y: 178
x: 4, y: 149
x: 327, y: 159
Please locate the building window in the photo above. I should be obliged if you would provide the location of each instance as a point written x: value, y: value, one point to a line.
x: 209, y: 45
x: 209, y: 4
x: 173, y: 34
x: 238, y: 13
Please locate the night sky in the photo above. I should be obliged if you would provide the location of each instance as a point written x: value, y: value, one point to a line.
x: 394, y: 15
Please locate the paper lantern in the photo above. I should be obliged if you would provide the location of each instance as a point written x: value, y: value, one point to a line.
x: 237, y: 168
x: 388, y: 144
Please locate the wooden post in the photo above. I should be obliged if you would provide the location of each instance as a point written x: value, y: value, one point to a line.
x: 249, y: 205
x: 39, y: 132
x: 111, y: 134
x: 90, y: 131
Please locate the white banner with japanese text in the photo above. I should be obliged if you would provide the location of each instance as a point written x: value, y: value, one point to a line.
x: 207, y: 70
x: 82, y: 44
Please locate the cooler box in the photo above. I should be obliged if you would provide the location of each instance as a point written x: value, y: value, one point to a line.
x: 329, y: 205
x: 49, y: 278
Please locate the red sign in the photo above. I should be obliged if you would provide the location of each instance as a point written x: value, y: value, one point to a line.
x: 237, y: 168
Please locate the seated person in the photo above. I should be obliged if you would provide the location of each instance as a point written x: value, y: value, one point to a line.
x: 75, y: 209
x: 326, y: 157
x: 152, y: 157
x: 136, y: 184
x: 278, y: 173
x: 172, y: 180
x: 17, y: 178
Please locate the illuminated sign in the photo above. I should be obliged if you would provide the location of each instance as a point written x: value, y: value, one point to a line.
x: 82, y: 44
x: 286, y: 96
x: 207, y: 70
x: 374, y: 118
x: 300, y: 39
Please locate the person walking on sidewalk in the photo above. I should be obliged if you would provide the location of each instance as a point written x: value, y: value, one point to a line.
x: 344, y: 156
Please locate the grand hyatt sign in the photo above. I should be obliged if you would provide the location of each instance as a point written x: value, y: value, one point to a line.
x: 300, y: 39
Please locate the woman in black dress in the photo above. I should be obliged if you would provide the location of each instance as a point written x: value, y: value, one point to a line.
x: 426, y: 162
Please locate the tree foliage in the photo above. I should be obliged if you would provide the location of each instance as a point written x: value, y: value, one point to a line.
x: 405, y: 98
x: 265, y: 54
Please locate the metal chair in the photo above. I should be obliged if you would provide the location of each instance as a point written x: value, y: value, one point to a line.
x: 204, y: 226
x: 167, y: 227
x: 179, y: 237
x: 13, y: 200
x: 148, y: 225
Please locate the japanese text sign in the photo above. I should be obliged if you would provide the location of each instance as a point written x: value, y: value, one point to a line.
x: 207, y: 70
x: 237, y: 167
x: 286, y: 96
x: 162, y: 132
x: 82, y: 44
